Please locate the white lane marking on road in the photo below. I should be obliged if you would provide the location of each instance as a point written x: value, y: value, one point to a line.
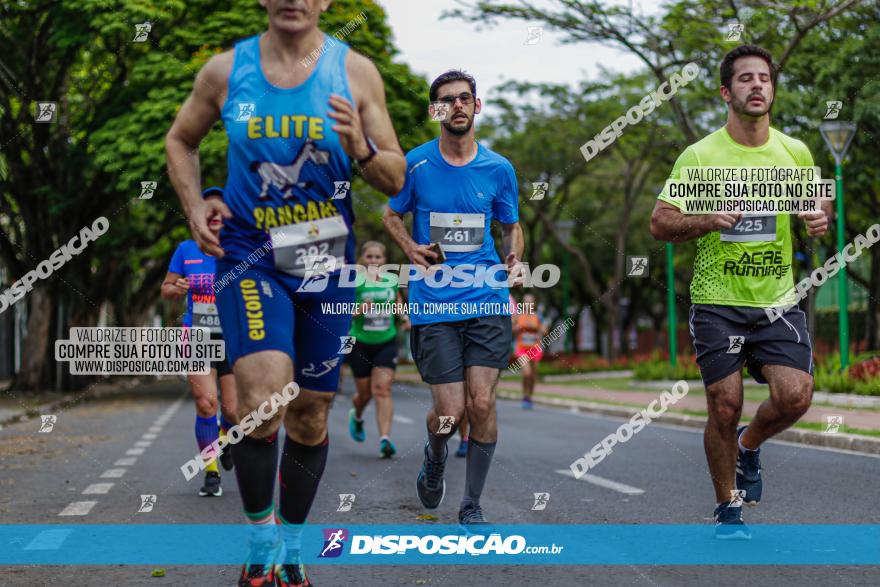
x: 403, y: 419
x: 98, y: 488
x: 125, y: 462
x: 603, y: 482
x: 154, y: 429
x: 113, y: 473
x: 78, y: 508
x: 48, y: 540
x: 134, y: 452
x: 143, y: 443
x: 149, y: 436
x: 168, y: 413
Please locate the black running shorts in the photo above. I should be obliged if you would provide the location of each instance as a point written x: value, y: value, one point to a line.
x: 443, y: 350
x: 223, y: 367
x: 727, y: 337
x: 364, y: 357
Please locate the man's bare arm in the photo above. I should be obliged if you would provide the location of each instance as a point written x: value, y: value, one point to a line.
x: 513, y: 244
x: 386, y: 171
x: 669, y: 224
x: 194, y: 120
x: 512, y: 239
x: 418, y: 254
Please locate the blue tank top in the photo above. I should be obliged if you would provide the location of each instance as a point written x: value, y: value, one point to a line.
x: 286, y: 167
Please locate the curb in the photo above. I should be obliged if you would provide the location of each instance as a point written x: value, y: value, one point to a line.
x: 852, y: 442
x: 847, y: 400
x: 96, y: 392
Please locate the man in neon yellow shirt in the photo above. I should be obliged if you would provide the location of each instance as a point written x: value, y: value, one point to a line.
x: 743, y: 265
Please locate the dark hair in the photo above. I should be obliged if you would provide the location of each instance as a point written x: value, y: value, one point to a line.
x: 745, y: 51
x: 453, y: 75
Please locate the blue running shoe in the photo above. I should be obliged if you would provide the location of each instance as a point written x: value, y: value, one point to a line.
x: 748, y: 472
x: 265, y: 547
x: 386, y: 448
x: 356, y: 427
x: 462, y: 448
x: 729, y: 523
x: 527, y: 403
x: 430, y: 485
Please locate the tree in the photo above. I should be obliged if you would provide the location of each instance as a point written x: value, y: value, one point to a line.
x: 115, y: 100
x: 682, y: 32
x: 609, y: 198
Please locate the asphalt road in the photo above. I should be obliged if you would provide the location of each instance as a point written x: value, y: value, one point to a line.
x: 101, y: 456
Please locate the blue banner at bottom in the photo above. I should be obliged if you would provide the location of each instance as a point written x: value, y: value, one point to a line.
x: 57, y: 544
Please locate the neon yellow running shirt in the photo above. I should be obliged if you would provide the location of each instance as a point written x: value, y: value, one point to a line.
x: 757, y: 273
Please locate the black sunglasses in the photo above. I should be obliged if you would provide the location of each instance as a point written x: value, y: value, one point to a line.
x: 465, y: 97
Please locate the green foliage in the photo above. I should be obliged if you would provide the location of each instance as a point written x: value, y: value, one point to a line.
x: 658, y: 368
x: 829, y: 376
x: 569, y: 364
x: 117, y: 100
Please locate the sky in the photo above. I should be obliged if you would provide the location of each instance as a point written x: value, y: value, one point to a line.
x: 431, y: 46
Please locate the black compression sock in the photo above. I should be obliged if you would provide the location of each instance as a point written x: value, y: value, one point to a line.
x: 301, y: 470
x: 256, y: 460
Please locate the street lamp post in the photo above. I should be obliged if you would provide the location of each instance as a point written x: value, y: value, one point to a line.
x: 838, y: 135
x: 670, y: 304
x: 564, y: 229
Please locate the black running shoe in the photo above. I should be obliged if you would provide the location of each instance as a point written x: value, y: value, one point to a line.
x: 471, y: 514
x: 257, y: 576
x: 748, y: 472
x: 293, y: 575
x: 211, y: 488
x: 430, y: 485
x: 729, y: 523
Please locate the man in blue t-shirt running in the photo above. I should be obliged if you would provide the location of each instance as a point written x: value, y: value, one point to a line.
x: 461, y: 329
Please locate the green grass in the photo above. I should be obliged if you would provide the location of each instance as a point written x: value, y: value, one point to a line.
x: 754, y: 393
x: 845, y: 429
x: 702, y: 414
x: 614, y: 384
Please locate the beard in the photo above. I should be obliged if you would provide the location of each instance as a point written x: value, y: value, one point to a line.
x: 742, y: 107
x: 459, y: 130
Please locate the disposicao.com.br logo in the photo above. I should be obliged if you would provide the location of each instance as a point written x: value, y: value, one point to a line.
x: 431, y: 544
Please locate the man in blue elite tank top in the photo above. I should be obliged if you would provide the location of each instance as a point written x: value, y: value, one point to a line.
x: 461, y: 329
x: 299, y: 108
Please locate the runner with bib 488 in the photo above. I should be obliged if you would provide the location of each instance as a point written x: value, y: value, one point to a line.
x: 191, y: 274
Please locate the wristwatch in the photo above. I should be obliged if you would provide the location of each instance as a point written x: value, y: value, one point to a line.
x: 373, y: 150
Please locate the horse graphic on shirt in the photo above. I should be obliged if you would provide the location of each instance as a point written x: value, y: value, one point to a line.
x: 286, y: 177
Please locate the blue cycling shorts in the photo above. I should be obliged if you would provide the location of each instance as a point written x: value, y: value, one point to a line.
x: 261, y: 310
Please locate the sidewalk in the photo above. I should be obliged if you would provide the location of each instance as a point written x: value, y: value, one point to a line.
x: 852, y: 417
x: 18, y: 407
x: 690, y: 410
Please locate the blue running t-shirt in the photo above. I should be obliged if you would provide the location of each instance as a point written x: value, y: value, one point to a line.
x: 455, y: 206
x: 289, y: 180
x: 198, y: 268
